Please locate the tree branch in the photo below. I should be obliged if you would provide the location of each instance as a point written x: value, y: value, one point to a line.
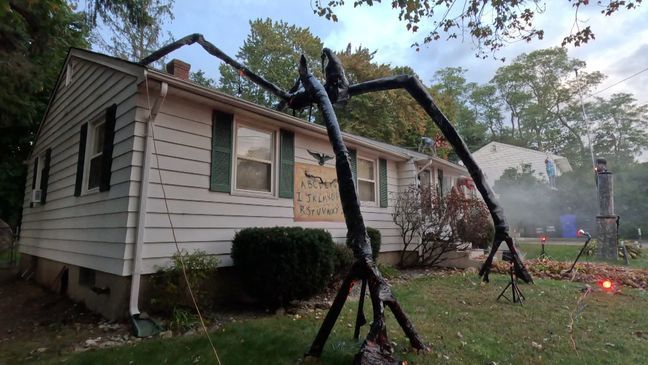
x: 215, y: 51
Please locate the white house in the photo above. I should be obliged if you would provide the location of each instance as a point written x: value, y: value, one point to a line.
x: 495, y: 157
x: 121, y: 143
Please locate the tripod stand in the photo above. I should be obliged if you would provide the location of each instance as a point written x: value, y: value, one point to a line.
x: 516, y: 294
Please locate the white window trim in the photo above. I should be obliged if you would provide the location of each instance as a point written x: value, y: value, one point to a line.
x: 90, y: 140
x: 39, y: 173
x: 274, y: 175
x: 429, y: 183
x: 374, y: 161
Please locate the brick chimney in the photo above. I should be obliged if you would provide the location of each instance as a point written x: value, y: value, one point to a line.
x: 178, y: 69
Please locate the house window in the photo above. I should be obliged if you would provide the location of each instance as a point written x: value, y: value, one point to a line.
x: 424, y: 179
x: 95, y: 152
x: 366, y: 180
x: 255, y: 157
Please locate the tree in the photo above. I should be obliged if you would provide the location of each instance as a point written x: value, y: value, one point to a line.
x: 487, y: 107
x: 489, y: 24
x: 433, y: 224
x: 392, y: 116
x: 621, y: 128
x: 541, y: 91
x: 35, y: 38
x: 452, y: 92
x: 134, y: 27
x: 270, y: 49
x: 201, y: 79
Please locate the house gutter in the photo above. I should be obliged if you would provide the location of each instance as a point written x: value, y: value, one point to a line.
x: 141, y: 214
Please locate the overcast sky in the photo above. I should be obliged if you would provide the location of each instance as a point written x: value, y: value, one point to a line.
x: 619, y: 50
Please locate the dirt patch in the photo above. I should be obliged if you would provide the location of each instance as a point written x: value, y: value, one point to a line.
x: 35, y: 323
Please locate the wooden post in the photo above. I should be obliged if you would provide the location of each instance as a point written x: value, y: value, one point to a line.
x: 606, y: 219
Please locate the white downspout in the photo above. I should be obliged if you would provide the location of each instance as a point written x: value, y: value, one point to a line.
x: 141, y: 213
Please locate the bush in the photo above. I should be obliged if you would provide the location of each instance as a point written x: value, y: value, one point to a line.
x: 476, y: 226
x: 169, y: 286
x: 375, y: 239
x: 281, y: 264
x: 343, y: 259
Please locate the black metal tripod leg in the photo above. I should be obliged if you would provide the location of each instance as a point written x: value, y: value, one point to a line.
x: 579, y: 255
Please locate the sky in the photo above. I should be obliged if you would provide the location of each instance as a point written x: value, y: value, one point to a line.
x: 619, y: 50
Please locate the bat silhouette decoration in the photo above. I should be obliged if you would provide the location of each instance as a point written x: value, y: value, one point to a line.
x: 320, y: 157
x: 376, y: 349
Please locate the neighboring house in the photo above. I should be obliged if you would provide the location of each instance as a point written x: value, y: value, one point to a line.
x: 496, y: 157
x: 95, y: 211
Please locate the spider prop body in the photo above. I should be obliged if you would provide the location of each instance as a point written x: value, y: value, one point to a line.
x: 307, y: 90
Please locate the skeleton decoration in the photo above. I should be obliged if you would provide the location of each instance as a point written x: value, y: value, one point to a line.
x: 376, y: 348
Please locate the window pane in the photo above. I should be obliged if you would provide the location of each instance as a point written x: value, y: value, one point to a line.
x: 98, y: 142
x: 365, y: 169
x: 424, y: 178
x: 252, y: 175
x: 254, y: 144
x: 366, y: 191
x: 94, y: 174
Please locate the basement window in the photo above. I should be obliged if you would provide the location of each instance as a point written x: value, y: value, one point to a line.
x: 86, y: 277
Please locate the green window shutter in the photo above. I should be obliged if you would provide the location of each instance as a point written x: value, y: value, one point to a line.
x: 382, y: 180
x: 353, y: 157
x: 221, y: 158
x: 287, y: 164
x: 439, y: 181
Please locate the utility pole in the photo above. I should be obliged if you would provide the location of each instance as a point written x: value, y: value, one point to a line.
x: 587, y: 125
x: 606, y: 220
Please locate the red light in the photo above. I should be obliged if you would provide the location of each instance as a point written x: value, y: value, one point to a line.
x: 607, y: 285
x: 543, y: 239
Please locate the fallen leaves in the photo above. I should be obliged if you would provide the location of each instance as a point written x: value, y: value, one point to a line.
x: 583, y: 272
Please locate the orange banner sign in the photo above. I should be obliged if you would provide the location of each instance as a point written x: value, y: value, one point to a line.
x: 317, y: 196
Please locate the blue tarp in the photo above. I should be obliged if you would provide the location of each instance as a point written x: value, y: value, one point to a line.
x: 568, y: 224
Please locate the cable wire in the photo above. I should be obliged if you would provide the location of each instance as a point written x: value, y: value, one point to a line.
x: 617, y: 83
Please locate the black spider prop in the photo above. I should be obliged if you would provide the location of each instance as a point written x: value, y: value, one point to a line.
x: 376, y: 349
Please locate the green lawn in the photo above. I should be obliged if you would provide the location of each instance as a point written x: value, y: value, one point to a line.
x: 457, y: 315
x: 569, y: 252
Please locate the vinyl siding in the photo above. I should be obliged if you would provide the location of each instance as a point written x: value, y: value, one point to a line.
x: 91, y: 230
x: 208, y: 220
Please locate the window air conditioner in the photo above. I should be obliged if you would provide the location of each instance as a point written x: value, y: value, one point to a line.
x: 36, y: 195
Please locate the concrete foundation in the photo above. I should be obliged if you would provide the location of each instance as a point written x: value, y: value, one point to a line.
x: 104, y: 293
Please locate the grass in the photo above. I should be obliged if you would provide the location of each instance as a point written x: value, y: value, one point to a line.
x: 569, y: 252
x: 455, y: 313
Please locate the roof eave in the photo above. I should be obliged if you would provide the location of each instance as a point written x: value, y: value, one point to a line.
x: 270, y: 113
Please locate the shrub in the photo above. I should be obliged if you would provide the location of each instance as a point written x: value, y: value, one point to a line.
x: 476, y: 226
x: 169, y: 286
x: 375, y: 239
x: 343, y: 259
x: 281, y: 264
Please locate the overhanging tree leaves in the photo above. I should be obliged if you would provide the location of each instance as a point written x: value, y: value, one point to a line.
x: 489, y: 24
